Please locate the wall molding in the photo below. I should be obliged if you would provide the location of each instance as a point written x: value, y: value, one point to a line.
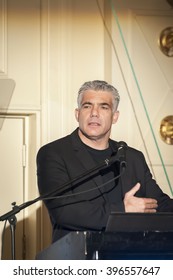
x: 3, y: 38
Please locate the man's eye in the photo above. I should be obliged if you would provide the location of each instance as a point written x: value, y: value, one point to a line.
x: 86, y: 106
x: 104, y: 107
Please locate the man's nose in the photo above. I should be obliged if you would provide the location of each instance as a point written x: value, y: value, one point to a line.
x: 94, y: 111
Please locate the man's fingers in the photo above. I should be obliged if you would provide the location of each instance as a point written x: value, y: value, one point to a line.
x: 150, y: 203
x: 150, y: 211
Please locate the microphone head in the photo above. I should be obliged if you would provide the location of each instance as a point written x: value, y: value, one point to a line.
x: 122, y: 154
x: 121, y: 144
x: 119, y: 155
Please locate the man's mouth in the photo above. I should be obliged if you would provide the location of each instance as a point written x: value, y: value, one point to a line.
x: 94, y: 124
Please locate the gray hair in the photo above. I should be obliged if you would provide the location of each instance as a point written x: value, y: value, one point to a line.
x: 102, y: 86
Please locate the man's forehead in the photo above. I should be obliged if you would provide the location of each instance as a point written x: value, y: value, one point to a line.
x: 92, y: 94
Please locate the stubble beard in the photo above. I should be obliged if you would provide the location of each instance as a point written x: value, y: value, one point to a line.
x: 94, y: 138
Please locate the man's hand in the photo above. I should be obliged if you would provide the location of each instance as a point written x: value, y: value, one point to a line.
x: 139, y: 204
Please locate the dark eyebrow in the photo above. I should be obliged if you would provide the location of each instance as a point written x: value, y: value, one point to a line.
x: 87, y: 102
x: 102, y: 103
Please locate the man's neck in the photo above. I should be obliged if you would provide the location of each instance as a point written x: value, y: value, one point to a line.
x: 95, y: 143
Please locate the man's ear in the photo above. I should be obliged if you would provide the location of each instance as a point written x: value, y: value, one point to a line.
x: 115, y: 117
x: 77, y: 114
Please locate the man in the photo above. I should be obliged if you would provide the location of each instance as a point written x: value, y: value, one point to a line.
x: 86, y: 203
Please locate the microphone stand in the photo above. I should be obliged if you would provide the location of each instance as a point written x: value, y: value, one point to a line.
x: 11, y: 215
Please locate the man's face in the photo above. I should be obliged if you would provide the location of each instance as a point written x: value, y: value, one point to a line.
x: 95, y: 116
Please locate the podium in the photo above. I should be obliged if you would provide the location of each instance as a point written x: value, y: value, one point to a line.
x: 127, y: 236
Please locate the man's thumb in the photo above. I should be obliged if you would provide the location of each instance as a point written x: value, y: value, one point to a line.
x: 133, y: 190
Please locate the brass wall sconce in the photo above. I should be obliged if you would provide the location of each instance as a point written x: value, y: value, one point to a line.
x: 166, y: 130
x: 166, y: 41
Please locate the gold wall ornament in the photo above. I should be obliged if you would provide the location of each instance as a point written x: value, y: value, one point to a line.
x: 166, y: 41
x: 166, y: 130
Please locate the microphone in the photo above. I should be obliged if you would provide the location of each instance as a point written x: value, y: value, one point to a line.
x: 121, y: 154
x: 118, y: 156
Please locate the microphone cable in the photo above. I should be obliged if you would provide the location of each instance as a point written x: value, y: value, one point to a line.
x: 86, y: 191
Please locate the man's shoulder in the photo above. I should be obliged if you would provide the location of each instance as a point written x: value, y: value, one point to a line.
x: 59, y: 144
